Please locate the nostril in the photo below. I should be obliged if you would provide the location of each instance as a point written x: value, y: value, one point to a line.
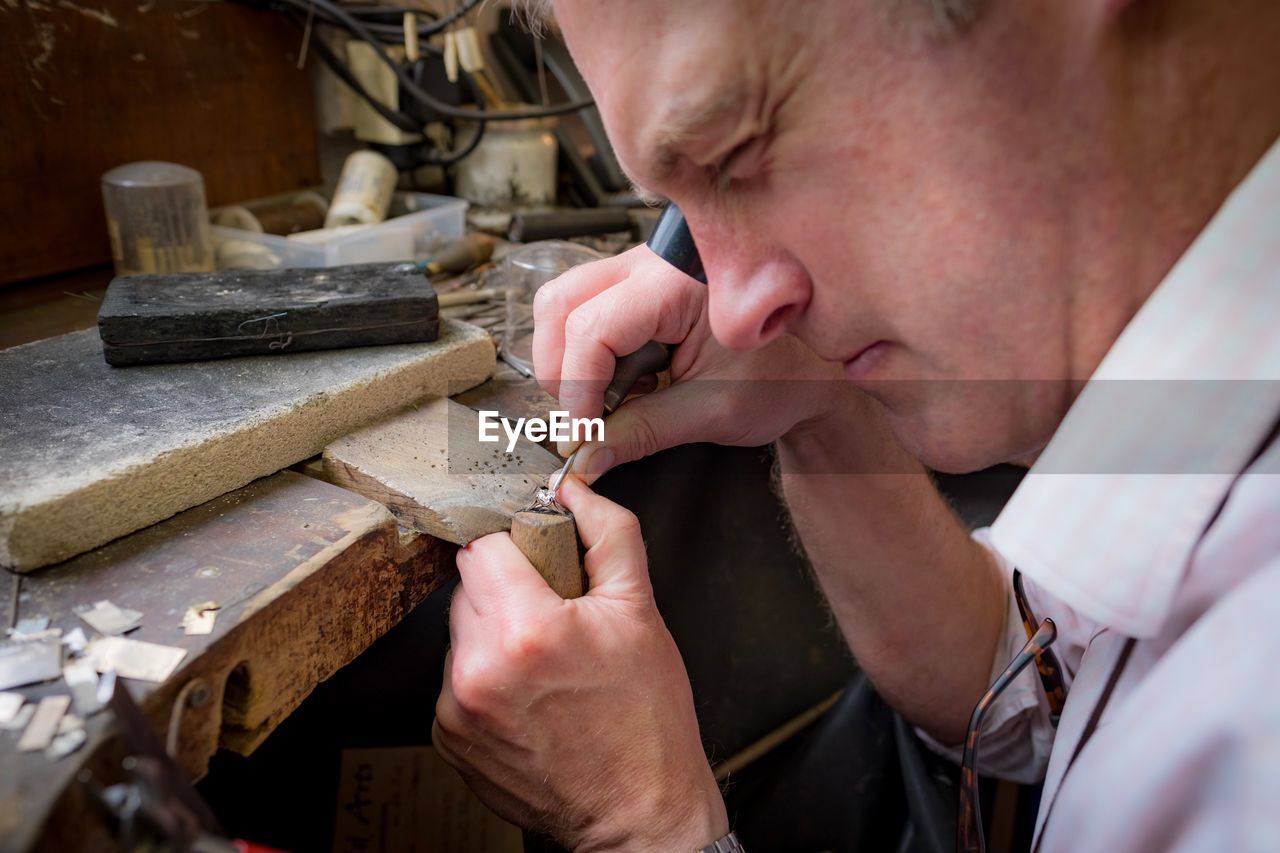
x: 772, y: 323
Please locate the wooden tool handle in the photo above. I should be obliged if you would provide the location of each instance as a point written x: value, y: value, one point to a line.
x: 653, y: 357
x: 550, y: 542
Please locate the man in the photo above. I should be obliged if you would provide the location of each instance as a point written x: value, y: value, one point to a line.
x: 961, y: 213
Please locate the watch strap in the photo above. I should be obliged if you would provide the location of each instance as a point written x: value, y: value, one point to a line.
x: 727, y: 844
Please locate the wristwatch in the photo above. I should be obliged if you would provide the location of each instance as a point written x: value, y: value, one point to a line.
x: 727, y: 844
x: 672, y: 241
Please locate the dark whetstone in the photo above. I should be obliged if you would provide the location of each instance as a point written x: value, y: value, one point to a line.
x: 158, y: 318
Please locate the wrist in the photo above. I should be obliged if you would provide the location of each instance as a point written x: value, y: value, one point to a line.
x: 684, y: 824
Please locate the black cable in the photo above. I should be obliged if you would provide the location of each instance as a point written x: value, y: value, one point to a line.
x: 390, y: 28
x: 451, y: 157
x: 343, y: 73
x: 385, y: 21
x: 420, y: 94
x: 398, y: 119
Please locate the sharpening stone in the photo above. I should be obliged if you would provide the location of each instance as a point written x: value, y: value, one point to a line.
x: 89, y: 452
x: 150, y: 319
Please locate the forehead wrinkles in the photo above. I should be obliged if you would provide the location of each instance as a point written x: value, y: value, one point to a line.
x: 737, y: 95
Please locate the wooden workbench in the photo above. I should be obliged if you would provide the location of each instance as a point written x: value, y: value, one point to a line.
x: 308, y: 576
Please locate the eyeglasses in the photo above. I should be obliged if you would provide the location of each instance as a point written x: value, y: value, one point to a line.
x: 969, y: 835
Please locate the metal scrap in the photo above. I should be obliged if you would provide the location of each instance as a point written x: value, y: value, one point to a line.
x: 10, y: 705
x: 135, y: 658
x: 43, y: 727
x: 75, y: 640
x: 199, y: 618
x: 30, y: 625
x: 108, y: 619
x: 19, y: 720
x: 66, y: 743
x: 82, y: 678
x: 29, y: 662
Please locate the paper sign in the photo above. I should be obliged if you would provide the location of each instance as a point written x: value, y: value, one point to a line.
x: 409, y: 799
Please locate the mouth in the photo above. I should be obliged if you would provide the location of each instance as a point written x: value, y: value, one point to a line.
x: 864, y: 362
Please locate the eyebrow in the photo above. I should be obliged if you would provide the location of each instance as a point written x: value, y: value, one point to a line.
x: 684, y: 123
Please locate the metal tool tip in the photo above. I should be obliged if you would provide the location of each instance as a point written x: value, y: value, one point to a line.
x: 557, y: 477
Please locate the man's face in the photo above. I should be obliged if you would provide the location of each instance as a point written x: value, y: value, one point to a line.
x: 917, y: 206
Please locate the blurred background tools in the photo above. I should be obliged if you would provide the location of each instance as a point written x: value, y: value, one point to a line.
x: 459, y: 256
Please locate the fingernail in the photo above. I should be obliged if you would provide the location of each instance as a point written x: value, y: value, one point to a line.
x: 597, y: 464
x: 564, y: 448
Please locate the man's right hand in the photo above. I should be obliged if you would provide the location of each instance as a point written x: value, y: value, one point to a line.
x: 588, y: 317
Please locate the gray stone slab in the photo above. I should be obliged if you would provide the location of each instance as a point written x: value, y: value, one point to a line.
x: 90, y: 452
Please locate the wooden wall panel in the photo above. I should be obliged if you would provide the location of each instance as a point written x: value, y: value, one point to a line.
x: 86, y: 85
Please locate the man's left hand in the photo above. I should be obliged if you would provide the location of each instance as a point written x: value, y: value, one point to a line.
x: 574, y: 717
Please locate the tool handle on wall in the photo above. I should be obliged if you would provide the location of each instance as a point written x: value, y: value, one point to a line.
x: 550, y: 542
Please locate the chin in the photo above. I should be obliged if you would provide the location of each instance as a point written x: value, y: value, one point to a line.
x: 962, y: 442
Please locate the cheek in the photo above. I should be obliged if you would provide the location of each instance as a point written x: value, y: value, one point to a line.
x: 957, y: 259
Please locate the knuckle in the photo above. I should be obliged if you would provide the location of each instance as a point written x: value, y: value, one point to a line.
x: 550, y: 300
x: 524, y: 646
x: 624, y: 520
x: 448, y: 722
x: 580, y: 324
x: 471, y: 689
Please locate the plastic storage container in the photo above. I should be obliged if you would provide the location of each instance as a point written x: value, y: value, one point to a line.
x: 417, y: 224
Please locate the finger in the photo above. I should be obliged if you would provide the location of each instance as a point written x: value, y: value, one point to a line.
x: 552, y: 305
x: 446, y: 680
x: 498, y: 577
x: 462, y: 616
x: 615, y: 560
x: 683, y: 413
x: 446, y: 705
x: 662, y: 307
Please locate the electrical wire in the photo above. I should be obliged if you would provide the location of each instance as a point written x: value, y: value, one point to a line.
x: 344, y: 73
x: 396, y: 118
x: 333, y: 11
x: 451, y: 157
x: 384, y: 21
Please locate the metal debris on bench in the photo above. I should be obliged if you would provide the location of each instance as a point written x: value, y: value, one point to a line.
x: 199, y: 618
x: 135, y: 658
x: 30, y: 662
x: 109, y: 619
x: 43, y: 727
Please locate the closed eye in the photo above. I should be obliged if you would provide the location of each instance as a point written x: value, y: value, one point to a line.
x: 744, y: 162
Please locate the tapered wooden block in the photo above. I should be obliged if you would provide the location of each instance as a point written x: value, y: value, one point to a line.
x: 89, y: 452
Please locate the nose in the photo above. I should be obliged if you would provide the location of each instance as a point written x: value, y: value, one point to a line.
x: 756, y: 295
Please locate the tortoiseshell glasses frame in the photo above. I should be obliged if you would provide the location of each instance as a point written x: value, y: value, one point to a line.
x: 969, y: 834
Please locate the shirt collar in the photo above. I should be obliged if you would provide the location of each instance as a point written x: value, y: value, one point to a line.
x: 1107, y: 518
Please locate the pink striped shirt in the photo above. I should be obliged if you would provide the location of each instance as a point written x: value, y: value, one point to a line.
x: 1106, y: 529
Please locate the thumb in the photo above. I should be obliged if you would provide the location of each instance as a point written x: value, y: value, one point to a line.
x: 645, y: 425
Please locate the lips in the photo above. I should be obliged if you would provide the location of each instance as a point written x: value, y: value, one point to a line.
x: 864, y: 362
